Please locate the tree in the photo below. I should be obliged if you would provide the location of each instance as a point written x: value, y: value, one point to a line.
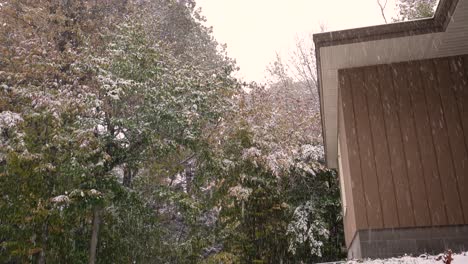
x: 415, y: 9
x: 124, y: 138
x: 382, y: 9
x: 88, y: 92
x: 274, y: 184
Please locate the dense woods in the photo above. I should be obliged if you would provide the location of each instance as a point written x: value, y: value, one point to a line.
x: 124, y: 138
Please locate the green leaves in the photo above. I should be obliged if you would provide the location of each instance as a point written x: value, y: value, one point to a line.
x: 95, y: 92
x: 123, y: 117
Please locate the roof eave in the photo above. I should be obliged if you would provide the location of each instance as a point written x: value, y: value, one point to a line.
x: 437, y: 23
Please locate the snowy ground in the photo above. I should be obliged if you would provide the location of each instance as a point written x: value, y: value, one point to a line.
x: 461, y: 258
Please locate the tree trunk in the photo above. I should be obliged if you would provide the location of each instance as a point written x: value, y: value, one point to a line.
x: 45, y: 236
x: 129, y: 174
x: 94, y: 235
x: 127, y: 177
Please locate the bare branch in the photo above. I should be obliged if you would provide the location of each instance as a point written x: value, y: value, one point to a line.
x: 382, y: 9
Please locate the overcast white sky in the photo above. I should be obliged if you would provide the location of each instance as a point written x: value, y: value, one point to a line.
x: 255, y: 29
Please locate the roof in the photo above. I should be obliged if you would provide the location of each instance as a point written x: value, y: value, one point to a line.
x: 445, y: 34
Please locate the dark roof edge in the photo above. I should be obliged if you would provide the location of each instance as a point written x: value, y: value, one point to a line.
x: 437, y: 23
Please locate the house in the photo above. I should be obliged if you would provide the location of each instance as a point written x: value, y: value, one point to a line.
x: 394, y: 106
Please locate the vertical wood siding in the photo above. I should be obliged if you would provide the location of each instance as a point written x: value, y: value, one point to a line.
x: 395, y: 146
x: 349, y: 215
x: 441, y: 142
x: 405, y: 128
x: 354, y: 160
x: 366, y: 151
x: 459, y: 76
x: 435, y: 196
x: 381, y: 151
x: 410, y: 145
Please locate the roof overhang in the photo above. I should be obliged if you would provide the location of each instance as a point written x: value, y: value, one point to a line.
x: 445, y: 34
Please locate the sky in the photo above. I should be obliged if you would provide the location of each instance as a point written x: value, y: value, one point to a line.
x: 254, y: 30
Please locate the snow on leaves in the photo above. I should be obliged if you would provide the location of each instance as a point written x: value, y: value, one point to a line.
x: 240, y: 193
x: 306, y: 230
x: 60, y: 199
x: 76, y: 194
x: 312, y: 152
x: 9, y: 119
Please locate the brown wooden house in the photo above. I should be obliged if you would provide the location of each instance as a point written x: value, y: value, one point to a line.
x: 394, y: 104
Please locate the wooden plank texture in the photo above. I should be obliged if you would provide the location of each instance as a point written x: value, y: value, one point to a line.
x: 381, y: 152
x: 395, y: 145
x: 358, y: 193
x: 454, y: 129
x: 349, y: 214
x: 406, y: 143
x: 441, y: 144
x: 366, y: 151
x: 410, y: 146
x: 435, y: 196
x: 459, y: 70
